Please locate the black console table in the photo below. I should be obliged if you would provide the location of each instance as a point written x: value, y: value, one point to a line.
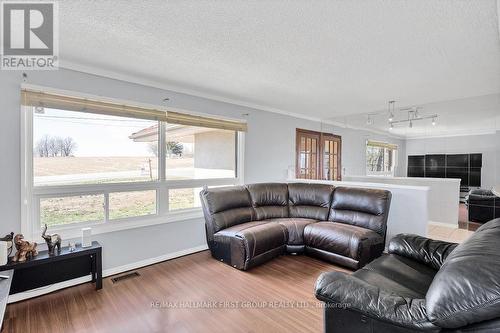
x: 45, y: 269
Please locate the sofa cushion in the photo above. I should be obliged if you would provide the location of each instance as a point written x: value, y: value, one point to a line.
x: 311, y: 201
x: 270, y: 200
x: 367, y: 208
x: 226, y: 206
x: 249, y: 240
x: 346, y: 240
x: 466, y: 289
x: 225, y: 198
x: 399, y: 275
x: 295, y: 228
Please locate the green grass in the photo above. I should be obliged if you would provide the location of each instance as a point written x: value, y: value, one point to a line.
x: 86, y: 208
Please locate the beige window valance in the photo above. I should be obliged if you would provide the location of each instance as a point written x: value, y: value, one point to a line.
x: 58, y: 101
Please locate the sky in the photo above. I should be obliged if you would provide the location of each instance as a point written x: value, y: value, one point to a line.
x: 108, y: 134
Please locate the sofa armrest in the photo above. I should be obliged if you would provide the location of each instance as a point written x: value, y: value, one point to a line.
x: 425, y: 250
x: 343, y: 291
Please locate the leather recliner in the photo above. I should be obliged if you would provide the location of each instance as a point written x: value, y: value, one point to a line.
x: 483, y: 205
x: 249, y: 225
x: 422, y: 285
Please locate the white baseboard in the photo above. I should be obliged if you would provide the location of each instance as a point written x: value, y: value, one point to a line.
x: 443, y: 224
x: 107, y: 272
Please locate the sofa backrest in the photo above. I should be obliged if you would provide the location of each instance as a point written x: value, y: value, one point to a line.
x: 224, y: 207
x: 466, y: 289
x: 367, y: 208
x: 270, y: 200
x: 311, y: 201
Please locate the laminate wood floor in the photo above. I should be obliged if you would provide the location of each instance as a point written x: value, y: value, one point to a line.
x: 194, y: 293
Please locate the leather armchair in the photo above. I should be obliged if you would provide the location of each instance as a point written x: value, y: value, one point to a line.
x: 421, y: 285
x: 483, y: 205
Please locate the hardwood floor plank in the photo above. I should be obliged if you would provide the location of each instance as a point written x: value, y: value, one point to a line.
x: 194, y: 293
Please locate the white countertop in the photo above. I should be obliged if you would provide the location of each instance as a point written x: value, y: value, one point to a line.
x: 423, y: 179
x: 359, y: 184
x: 496, y: 190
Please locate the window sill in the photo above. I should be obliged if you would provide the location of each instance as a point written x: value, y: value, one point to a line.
x: 74, y: 231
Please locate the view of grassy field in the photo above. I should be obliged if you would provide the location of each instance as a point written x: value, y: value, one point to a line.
x: 64, y: 210
x: 94, y: 170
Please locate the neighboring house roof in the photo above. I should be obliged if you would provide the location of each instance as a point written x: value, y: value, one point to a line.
x: 174, y: 132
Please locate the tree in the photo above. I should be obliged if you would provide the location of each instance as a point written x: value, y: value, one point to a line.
x: 52, y: 147
x: 175, y: 148
x: 42, y: 146
x: 59, y: 143
x: 68, y: 147
x: 49, y: 146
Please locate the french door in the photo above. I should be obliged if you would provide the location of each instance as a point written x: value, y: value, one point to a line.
x: 318, y: 155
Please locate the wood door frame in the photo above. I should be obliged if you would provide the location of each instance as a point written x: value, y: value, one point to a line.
x: 319, y: 151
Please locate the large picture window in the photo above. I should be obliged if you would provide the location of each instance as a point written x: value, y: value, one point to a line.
x: 105, y: 164
x: 381, y: 158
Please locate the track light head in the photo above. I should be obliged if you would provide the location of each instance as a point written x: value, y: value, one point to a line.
x: 369, y: 120
x: 411, y: 124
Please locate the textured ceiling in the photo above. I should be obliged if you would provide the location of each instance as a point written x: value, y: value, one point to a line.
x: 321, y: 59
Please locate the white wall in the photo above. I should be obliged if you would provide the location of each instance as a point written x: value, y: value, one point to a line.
x: 215, y: 150
x: 269, y: 152
x: 488, y: 145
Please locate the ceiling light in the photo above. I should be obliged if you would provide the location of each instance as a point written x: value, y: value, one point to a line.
x: 391, y: 127
x: 433, y: 121
x: 411, y: 124
x: 391, y: 110
x: 369, y: 120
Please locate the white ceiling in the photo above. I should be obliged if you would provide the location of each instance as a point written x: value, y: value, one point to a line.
x: 469, y: 116
x: 323, y: 59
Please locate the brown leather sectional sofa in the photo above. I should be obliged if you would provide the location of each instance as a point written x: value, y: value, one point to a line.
x: 249, y: 225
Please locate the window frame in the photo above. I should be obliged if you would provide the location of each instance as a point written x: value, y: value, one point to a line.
x: 394, y: 150
x: 31, y: 195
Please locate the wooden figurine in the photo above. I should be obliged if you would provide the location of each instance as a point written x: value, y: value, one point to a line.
x: 52, y: 241
x: 25, y: 249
